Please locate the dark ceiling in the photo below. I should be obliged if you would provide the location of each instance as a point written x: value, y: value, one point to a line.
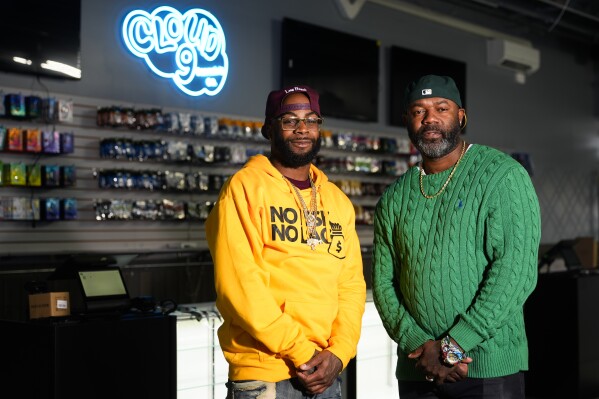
x: 572, y: 25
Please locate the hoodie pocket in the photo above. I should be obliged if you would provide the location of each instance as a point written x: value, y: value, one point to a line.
x: 316, y: 318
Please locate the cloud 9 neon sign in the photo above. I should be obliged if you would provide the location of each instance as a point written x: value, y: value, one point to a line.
x: 188, y: 48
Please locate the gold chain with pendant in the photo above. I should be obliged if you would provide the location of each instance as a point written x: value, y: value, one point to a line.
x: 448, y: 178
x: 309, y: 214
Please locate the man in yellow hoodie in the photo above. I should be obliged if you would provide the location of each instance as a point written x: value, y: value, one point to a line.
x: 288, y: 266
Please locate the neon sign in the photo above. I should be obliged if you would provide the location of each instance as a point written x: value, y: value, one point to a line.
x: 188, y: 48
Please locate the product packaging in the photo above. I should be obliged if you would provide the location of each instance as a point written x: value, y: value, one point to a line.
x: 34, y: 175
x: 33, y: 140
x: 49, y: 304
x: 51, y: 142
x: 14, y: 141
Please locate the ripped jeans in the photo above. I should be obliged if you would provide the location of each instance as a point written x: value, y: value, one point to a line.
x: 286, y: 389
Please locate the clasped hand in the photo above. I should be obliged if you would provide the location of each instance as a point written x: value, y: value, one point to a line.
x: 320, y: 372
x: 429, y: 362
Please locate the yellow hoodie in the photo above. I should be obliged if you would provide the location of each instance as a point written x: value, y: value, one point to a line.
x: 281, y: 301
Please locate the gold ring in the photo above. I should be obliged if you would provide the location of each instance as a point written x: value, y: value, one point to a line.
x: 429, y: 378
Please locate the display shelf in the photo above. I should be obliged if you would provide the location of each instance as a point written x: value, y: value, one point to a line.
x: 87, y: 233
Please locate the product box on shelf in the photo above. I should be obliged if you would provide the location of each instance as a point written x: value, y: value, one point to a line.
x: 51, y: 176
x: 33, y: 106
x: 14, y: 140
x: 2, y: 137
x: 33, y: 140
x: 51, y: 142
x: 49, y: 304
x: 67, y: 143
x: 65, y: 110
x: 34, y: 175
x: 68, y: 175
x: 14, y: 105
x: 68, y: 208
x: 21, y: 208
x: 15, y: 174
x: 50, y: 209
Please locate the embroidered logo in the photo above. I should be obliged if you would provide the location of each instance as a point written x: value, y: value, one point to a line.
x: 427, y: 92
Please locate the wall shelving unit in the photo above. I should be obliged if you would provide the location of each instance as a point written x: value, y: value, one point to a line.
x: 86, y: 234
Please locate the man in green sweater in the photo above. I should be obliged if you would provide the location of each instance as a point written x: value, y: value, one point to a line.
x: 455, y: 257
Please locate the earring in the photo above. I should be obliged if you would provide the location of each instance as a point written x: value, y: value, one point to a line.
x: 463, y: 122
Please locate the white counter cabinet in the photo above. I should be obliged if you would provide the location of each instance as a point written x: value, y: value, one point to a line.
x: 202, y: 369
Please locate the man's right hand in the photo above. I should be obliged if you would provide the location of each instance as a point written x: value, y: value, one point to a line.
x: 429, y: 362
x: 320, y: 372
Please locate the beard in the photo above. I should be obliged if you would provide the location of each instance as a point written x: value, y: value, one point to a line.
x: 283, y: 153
x: 439, y: 147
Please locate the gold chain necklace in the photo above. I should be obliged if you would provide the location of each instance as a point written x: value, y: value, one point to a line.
x: 448, y: 178
x: 310, y: 214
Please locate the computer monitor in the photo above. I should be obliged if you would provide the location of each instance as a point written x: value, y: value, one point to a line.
x: 103, y: 289
x: 93, y: 289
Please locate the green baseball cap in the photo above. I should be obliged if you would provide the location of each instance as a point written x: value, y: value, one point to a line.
x: 432, y: 86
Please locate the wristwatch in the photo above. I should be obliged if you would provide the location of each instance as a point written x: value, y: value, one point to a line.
x: 450, y: 353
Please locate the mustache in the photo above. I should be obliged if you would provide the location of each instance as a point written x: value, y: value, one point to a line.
x: 425, y: 129
x: 293, y: 140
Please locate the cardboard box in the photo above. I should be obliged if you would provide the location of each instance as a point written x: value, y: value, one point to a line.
x: 49, y: 304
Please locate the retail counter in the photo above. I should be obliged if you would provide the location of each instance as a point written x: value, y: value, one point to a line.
x: 202, y: 369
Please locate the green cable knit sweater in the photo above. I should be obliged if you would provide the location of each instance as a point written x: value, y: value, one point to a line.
x: 462, y: 263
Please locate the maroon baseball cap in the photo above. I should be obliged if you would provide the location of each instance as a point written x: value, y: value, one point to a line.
x: 275, y: 107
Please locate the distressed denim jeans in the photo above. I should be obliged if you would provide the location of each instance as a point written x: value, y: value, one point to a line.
x: 286, y: 389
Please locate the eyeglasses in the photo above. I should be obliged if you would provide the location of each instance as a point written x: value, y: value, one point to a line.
x: 292, y: 123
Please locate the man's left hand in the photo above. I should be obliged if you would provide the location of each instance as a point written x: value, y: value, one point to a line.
x: 428, y: 360
x: 320, y: 372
